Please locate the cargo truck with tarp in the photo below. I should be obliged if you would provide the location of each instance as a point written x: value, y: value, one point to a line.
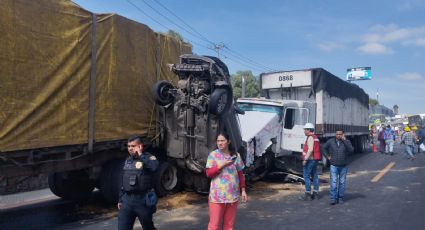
x: 272, y: 126
x: 74, y: 86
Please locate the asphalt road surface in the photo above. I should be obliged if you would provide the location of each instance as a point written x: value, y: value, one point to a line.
x: 383, y: 192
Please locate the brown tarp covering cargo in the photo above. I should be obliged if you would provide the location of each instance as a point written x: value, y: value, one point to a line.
x: 47, y: 72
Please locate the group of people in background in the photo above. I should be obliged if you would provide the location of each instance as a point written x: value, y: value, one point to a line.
x: 412, y: 137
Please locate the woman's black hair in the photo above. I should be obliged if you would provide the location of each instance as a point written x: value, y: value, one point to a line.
x: 227, y: 137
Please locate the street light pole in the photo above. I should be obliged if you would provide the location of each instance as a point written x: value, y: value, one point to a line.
x: 377, y: 95
x: 243, y: 86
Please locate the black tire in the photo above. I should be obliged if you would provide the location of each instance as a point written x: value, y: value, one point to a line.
x: 359, y: 144
x: 265, y: 164
x: 364, y: 144
x: 168, y: 179
x: 74, y: 185
x: 111, y: 180
x: 220, y: 101
x: 355, y: 142
x: 162, y: 94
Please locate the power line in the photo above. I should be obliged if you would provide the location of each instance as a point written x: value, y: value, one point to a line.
x: 248, y: 59
x: 215, y: 47
x: 181, y: 20
x: 143, y: 12
x: 171, y: 21
x: 147, y: 15
x: 244, y: 64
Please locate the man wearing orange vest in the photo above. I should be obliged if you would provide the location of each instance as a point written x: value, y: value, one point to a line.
x: 311, y: 154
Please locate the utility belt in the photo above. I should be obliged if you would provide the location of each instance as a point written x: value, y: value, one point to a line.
x: 148, y: 195
x: 136, y: 193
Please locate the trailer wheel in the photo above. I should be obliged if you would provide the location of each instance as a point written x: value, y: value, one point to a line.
x: 111, y: 180
x: 364, y: 144
x: 74, y: 185
x: 161, y: 91
x: 359, y: 144
x: 220, y: 101
x: 168, y: 179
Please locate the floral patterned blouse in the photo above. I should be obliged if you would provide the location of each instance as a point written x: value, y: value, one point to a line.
x: 224, y: 187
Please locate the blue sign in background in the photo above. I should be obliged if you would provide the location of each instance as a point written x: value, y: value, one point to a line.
x: 360, y: 73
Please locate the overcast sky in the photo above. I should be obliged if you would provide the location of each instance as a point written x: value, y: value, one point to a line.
x: 387, y: 35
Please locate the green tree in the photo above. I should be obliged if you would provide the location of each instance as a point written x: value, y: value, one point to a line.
x: 373, y: 102
x: 252, y: 84
x: 175, y: 35
x: 395, y: 109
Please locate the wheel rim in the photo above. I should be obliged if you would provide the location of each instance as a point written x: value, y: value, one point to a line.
x: 164, y: 92
x: 169, y: 178
x: 222, y: 102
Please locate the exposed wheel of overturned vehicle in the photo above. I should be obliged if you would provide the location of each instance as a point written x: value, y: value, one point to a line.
x: 168, y: 179
x: 220, y: 101
x: 74, y: 185
x: 162, y: 94
x: 263, y: 166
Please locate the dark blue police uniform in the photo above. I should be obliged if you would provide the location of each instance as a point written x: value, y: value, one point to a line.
x: 137, y: 182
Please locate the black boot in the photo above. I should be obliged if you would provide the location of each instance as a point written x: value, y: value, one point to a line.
x: 315, y: 195
x: 305, y: 197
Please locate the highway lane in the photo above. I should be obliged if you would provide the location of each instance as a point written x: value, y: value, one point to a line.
x: 394, y: 200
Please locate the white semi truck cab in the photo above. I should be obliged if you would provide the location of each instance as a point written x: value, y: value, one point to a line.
x: 272, y: 126
x: 274, y: 123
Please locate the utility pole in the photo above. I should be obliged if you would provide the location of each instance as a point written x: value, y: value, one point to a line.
x: 377, y: 95
x: 218, y: 47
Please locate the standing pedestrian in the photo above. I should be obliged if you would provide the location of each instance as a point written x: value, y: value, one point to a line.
x: 381, y: 139
x: 389, y: 138
x: 311, y: 155
x: 137, y: 198
x: 224, y: 167
x: 408, y: 139
x: 415, y: 131
x: 397, y: 133
x: 337, y: 150
x: 421, y: 137
x: 373, y: 137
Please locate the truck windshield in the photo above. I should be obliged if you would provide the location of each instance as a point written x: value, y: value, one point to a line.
x: 260, y: 108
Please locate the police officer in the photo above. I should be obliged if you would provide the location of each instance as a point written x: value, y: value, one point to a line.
x: 137, y: 184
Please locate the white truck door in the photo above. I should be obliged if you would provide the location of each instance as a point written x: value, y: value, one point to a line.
x: 311, y: 106
x: 293, y: 136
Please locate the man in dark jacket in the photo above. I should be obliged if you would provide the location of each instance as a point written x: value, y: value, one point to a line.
x: 337, y: 150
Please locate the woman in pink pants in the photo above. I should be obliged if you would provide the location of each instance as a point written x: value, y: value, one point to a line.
x: 224, y: 167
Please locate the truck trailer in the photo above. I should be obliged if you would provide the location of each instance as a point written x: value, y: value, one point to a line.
x: 74, y: 86
x: 272, y: 125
